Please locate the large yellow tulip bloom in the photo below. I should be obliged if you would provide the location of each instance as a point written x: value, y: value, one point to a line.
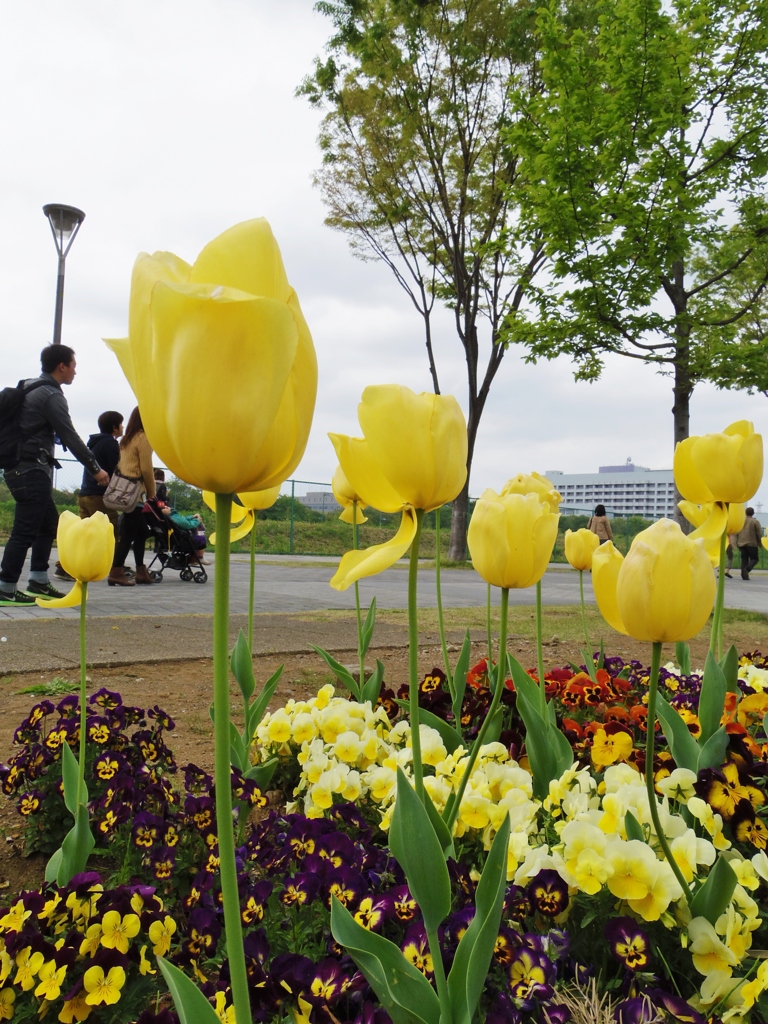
x: 534, y: 483
x: 413, y: 456
x: 351, y: 502
x: 720, y: 467
x: 511, y: 537
x: 580, y: 547
x: 86, y: 550
x: 663, y: 591
x: 221, y: 362
x: 243, y: 511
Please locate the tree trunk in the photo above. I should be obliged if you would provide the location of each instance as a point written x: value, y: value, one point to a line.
x: 457, y: 545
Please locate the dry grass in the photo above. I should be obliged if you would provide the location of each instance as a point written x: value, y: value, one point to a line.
x: 587, y: 1006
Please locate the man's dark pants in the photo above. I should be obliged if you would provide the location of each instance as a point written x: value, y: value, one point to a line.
x: 750, y: 556
x: 34, y: 523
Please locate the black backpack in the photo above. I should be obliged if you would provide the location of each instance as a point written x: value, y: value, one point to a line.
x: 11, y: 401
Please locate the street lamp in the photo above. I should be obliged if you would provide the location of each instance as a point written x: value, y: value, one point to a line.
x: 65, y: 222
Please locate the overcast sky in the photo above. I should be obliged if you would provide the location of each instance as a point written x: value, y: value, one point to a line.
x: 167, y: 121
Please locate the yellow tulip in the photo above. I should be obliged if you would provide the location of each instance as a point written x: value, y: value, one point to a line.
x: 711, y: 521
x: 511, y: 537
x: 720, y: 467
x: 86, y: 550
x: 351, y: 502
x: 243, y: 515
x: 580, y: 547
x: 534, y: 483
x: 663, y: 591
x: 221, y: 361
x: 413, y: 456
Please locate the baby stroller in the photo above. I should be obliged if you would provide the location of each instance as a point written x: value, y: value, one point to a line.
x: 173, y: 548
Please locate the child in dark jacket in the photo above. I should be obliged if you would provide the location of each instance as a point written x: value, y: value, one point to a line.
x: 193, y: 525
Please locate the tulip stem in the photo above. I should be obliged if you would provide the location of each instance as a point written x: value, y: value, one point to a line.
x: 222, y: 773
x: 498, y: 686
x: 716, y: 635
x: 540, y: 656
x: 252, y: 585
x: 360, y: 652
x: 440, y: 622
x: 443, y: 994
x: 650, y: 785
x: 413, y: 657
x: 584, y: 615
x: 83, y: 697
x: 488, y: 630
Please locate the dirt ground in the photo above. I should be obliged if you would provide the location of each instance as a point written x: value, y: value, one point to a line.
x: 184, y: 690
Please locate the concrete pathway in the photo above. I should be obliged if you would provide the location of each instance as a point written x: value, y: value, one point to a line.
x: 297, y: 584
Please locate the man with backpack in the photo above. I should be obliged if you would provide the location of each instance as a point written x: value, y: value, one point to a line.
x: 35, y: 415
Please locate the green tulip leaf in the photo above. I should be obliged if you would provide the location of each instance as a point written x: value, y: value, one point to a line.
x: 601, y: 657
x: 191, y: 1005
x: 633, y: 827
x: 683, y: 657
x: 441, y: 829
x: 683, y: 746
x: 344, y: 676
x: 524, y: 684
x: 76, y: 847
x: 714, y: 896
x: 255, y: 712
x: 401, y: 988
x: 262, y: 774
x: 475, y: 950
x: 367, y: 631
x: 53, y: 866
x: 416, y: 847
x: 372, y: 687
x: 241, y: 664
x: 729, y: 663
x: 711, y: 699
x: 494, y: 726
x: 712, y: 753
x: 448, y: 734
x: 70, y: 777
x: 538, y: 744
x: 460, y: 679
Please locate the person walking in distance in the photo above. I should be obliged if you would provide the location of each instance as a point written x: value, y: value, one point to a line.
x: 600, y: 525
x: 136, y: 462
x: 44, y: 416
x: 748, y: 543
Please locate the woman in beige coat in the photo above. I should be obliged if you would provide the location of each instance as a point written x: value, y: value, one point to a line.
x: 600, y: 525
x: 135, y: 461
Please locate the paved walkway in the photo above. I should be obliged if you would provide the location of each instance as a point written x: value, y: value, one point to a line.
x: 297, y: 584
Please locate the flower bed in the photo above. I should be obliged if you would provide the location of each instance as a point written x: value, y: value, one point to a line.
x: 586, y: 897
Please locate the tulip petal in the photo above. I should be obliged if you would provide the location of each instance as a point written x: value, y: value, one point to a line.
x: 713, y: 526
x: 357, y: 564
x: 606, y: 565
x: 86, y: 547
x: 736, y: 517
x: 246, y: 257
x: 348, y: 515
x: 716, y: 458
x: 687, y: 477
x: 751, y: 457
x: 70, y: 600
x: 364, y: 473
x: 239, y: 531
x: 419, y: 441
x: 695, y: 514
x: 216, y: 451
x: 122, y: 349
x: 580, y: 547
x: 259, y: 500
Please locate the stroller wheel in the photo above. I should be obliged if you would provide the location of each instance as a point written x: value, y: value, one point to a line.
x: 157, y: 577
x: 186, y: 574
x: 201, y: 577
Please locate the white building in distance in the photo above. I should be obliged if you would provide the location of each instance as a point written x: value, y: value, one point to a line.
x: 624, y: 490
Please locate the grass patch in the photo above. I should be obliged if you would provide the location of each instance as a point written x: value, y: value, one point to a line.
x: 56, y: 687
x: 740, y: 615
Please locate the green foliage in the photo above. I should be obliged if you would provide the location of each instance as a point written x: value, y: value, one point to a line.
x: 644, y: 167
x: 415, y: 168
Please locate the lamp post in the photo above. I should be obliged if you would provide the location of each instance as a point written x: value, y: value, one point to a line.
x: 65, y: 222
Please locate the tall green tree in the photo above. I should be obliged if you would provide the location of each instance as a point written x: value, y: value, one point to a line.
x: 644, y: 168
x: 416, y: 172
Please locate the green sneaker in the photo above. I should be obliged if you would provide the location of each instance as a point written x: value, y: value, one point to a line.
x: 43, y: 590
x: 17, y: 597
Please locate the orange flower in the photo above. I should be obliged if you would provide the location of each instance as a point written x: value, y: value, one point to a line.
x: 753, y: 709
x: 616, y: 713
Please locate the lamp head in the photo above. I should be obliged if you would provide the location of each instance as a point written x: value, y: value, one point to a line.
x: 64, y: 221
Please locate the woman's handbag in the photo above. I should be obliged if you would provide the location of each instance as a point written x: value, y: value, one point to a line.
x: 123, y: 492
